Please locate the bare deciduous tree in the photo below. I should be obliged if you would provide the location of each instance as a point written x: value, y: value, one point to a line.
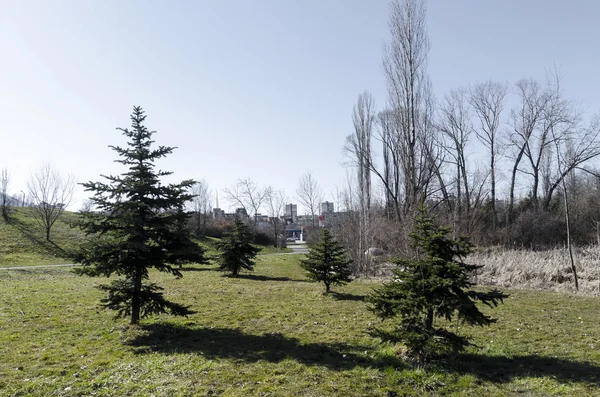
x: 455, y: 125
x: 487, y: 101
x: 4, y: 198
x: 408, y: 135
x: 545, y: 122
x: 575, y: 147
x: 87, y: 206
x: 50, y: 194
x: 525, y: 120
x: 276, y: 200
x: 358, y: 149
x: 201, y: 206
x: 309, y: 194
x: 559, y: 162
x: 358, y: 146
x: 248, y: 195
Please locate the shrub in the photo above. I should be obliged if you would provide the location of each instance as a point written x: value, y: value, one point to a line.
x: 327, y: 262
x: 433, y: 284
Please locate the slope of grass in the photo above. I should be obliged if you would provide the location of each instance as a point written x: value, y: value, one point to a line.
x: 23, y: 240
x: 272, y: 333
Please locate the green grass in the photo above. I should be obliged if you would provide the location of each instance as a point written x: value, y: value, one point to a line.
x: 210, y: 245
x: 269, y: 249
x: 23, y: 240
x: 272, y: 333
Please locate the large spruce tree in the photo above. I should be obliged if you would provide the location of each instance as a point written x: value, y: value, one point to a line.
x: 434, y: 284
x: 237, y: 250
x: 327, y: 262
x: 137, y: 225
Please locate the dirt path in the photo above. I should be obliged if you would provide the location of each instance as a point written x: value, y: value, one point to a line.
x: 37, y: 266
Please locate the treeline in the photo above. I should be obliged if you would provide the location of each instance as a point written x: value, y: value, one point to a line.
x: 508, y: 164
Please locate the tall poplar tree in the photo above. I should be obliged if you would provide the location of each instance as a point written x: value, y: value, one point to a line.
x: 137, y: 226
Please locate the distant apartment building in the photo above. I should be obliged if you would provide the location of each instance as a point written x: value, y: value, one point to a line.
x: 307, y: 220
x: 218, y: 213
x: 294, y: 223
x: 326, y: 207
x: 221, y: 214
x: 291, y: 213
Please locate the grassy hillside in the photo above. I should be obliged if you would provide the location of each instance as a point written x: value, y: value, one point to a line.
x: 23, y: 242
x: 272, y: 333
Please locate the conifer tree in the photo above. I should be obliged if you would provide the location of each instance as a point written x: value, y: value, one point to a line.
x: 237, y: 250
x: 327, y: 262
x: 434, y: 284
x: 137, y: 226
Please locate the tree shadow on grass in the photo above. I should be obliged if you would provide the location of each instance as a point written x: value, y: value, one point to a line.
x: 259, y: 277
x: 198, y: 269
x: 29, y: 233
x: 233, y: 344
x: 224, y: 343
x: 501, y: 369
x: 342, y: 296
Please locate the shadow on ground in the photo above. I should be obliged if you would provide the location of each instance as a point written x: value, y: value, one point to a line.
x: 500, y: 369
x: 233, y: 344
x: 27, y: 231
x: 198, y: 269
x: 260, y: 277
x: 342, y: 296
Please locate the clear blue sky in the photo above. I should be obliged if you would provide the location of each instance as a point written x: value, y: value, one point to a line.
x: 261, y: 89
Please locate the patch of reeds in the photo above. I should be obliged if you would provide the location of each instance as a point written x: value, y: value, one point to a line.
x: 548, y: 270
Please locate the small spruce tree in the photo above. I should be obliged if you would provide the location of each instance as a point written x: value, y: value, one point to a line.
x: 137, y: 226
x: 434, y: 284
x: 238, y: 252
x: 327, y: 262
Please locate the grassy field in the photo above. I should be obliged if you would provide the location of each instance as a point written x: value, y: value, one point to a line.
x: 272, y: 333
x: 23, y: 241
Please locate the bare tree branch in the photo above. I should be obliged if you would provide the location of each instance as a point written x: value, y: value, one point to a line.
x: 487, y: 101
x: 411, y: 104
x: 248, y: 195
x: 201, y: 206
x: 275, y: 202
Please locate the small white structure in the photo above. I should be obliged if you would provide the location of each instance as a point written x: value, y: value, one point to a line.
x: 374, y: 252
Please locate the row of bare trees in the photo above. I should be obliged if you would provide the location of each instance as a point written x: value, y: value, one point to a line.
x: 255, y: 200
x: 480, y: 155
x: 50, y: 193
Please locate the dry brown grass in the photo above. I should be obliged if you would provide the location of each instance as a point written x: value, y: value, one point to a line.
x: 547, y: 270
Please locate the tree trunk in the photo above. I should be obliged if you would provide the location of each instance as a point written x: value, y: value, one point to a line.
x: 513, y: 181
x: 534, y: 190
x: 326, y: 288
x: 493, y: 186
x: 135, y: 299
x: 429, y: 320
x: 570, y: 248
x: 458, y: 192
